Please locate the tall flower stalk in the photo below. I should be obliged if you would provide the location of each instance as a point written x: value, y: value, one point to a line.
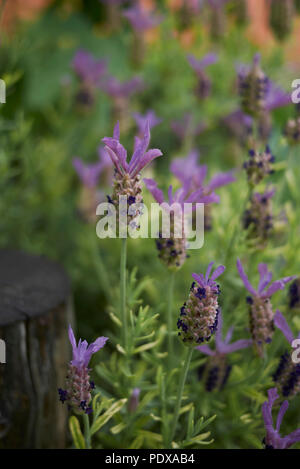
x: 127, y: 184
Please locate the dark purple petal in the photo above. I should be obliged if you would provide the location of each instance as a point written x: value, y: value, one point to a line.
x: 219, y: 271
x: 206, y: 350
x: 282, y: 411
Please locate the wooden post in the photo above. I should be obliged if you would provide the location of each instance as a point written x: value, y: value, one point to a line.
x: 35, y: 310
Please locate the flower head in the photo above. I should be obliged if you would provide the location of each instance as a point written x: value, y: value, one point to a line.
x: 186, y: 127
x: 78, y: 384
x: 261, y: 313
x: 259, y: 165
x: 127, y: 173
x: 294, y: 294
x: 253, y: 88
x: 88, y: 69
x: 216, y: 371
x: 187, y: 169
x: 141, y: 19
x: 273, y: 440
x: 141, y: 120
x: 172, y: 246
x: 198, y: 318
x: 204, y: 83
x: 116, y: 89
x: 258, y: 217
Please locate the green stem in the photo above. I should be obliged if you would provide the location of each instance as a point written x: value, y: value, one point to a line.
x: 170, y: 319
x: 87, y: 433
x: 123, y: 292
x: 184, y: 372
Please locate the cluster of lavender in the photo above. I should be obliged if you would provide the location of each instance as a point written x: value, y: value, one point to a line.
x: 255, y: 90
x: 260, y: 308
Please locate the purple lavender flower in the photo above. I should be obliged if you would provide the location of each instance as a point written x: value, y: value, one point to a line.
x: 198, y: 318
x: 141, y: 120
x: 259, y: 165
x: 78, y: 389
x: 273, y: 440
x: 287, y: 374
x: 88, y: 69
x: 87, y: 173
x: 239, y: 123
x: 276, y: 97
x: 172, y: 249
x: 186, y: 127
x: 116, y: 89
x: 260, y: 307
x: 141, y: 19
x: 127, y: 174
x: 204, y: 83
x: 216, y: 370
x: 186, y: 169
x: 253, y: 88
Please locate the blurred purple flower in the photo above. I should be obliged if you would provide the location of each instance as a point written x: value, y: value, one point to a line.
x: 82, y: 352
x: 141, y: 120
x: 133, y: 401
x: 273, y: 440
x: 88, y: 69
x: 88, y: 173
x: 186, y: 127
x: 181, y: 196
x: 239, y: 123
x: 141, y: 19
x: 78, y: 385
x: 265, y: 278
x: 140, y: 158
x: 113, y: 87
x: 224, y: 346
x: 276, y: 97
x: 204, y: 83
x: 200, y: 65
x: 188, y: 169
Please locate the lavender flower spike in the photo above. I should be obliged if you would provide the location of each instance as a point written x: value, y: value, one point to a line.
x: 273, y: 440
x: 253, y: 88
x: 127, y: 174
x: 78, y: 389
x: 216, y: 370
x: 141, y: 19
x: 172, y: 249
x: 287, y: 374
x: 204, y: 84
x: 89, y: 70
x: 260, y: 307
x: 198, y: 318
x: 89, y: 197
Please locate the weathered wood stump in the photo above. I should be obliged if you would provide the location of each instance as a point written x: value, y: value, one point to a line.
x: 35, y: 310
